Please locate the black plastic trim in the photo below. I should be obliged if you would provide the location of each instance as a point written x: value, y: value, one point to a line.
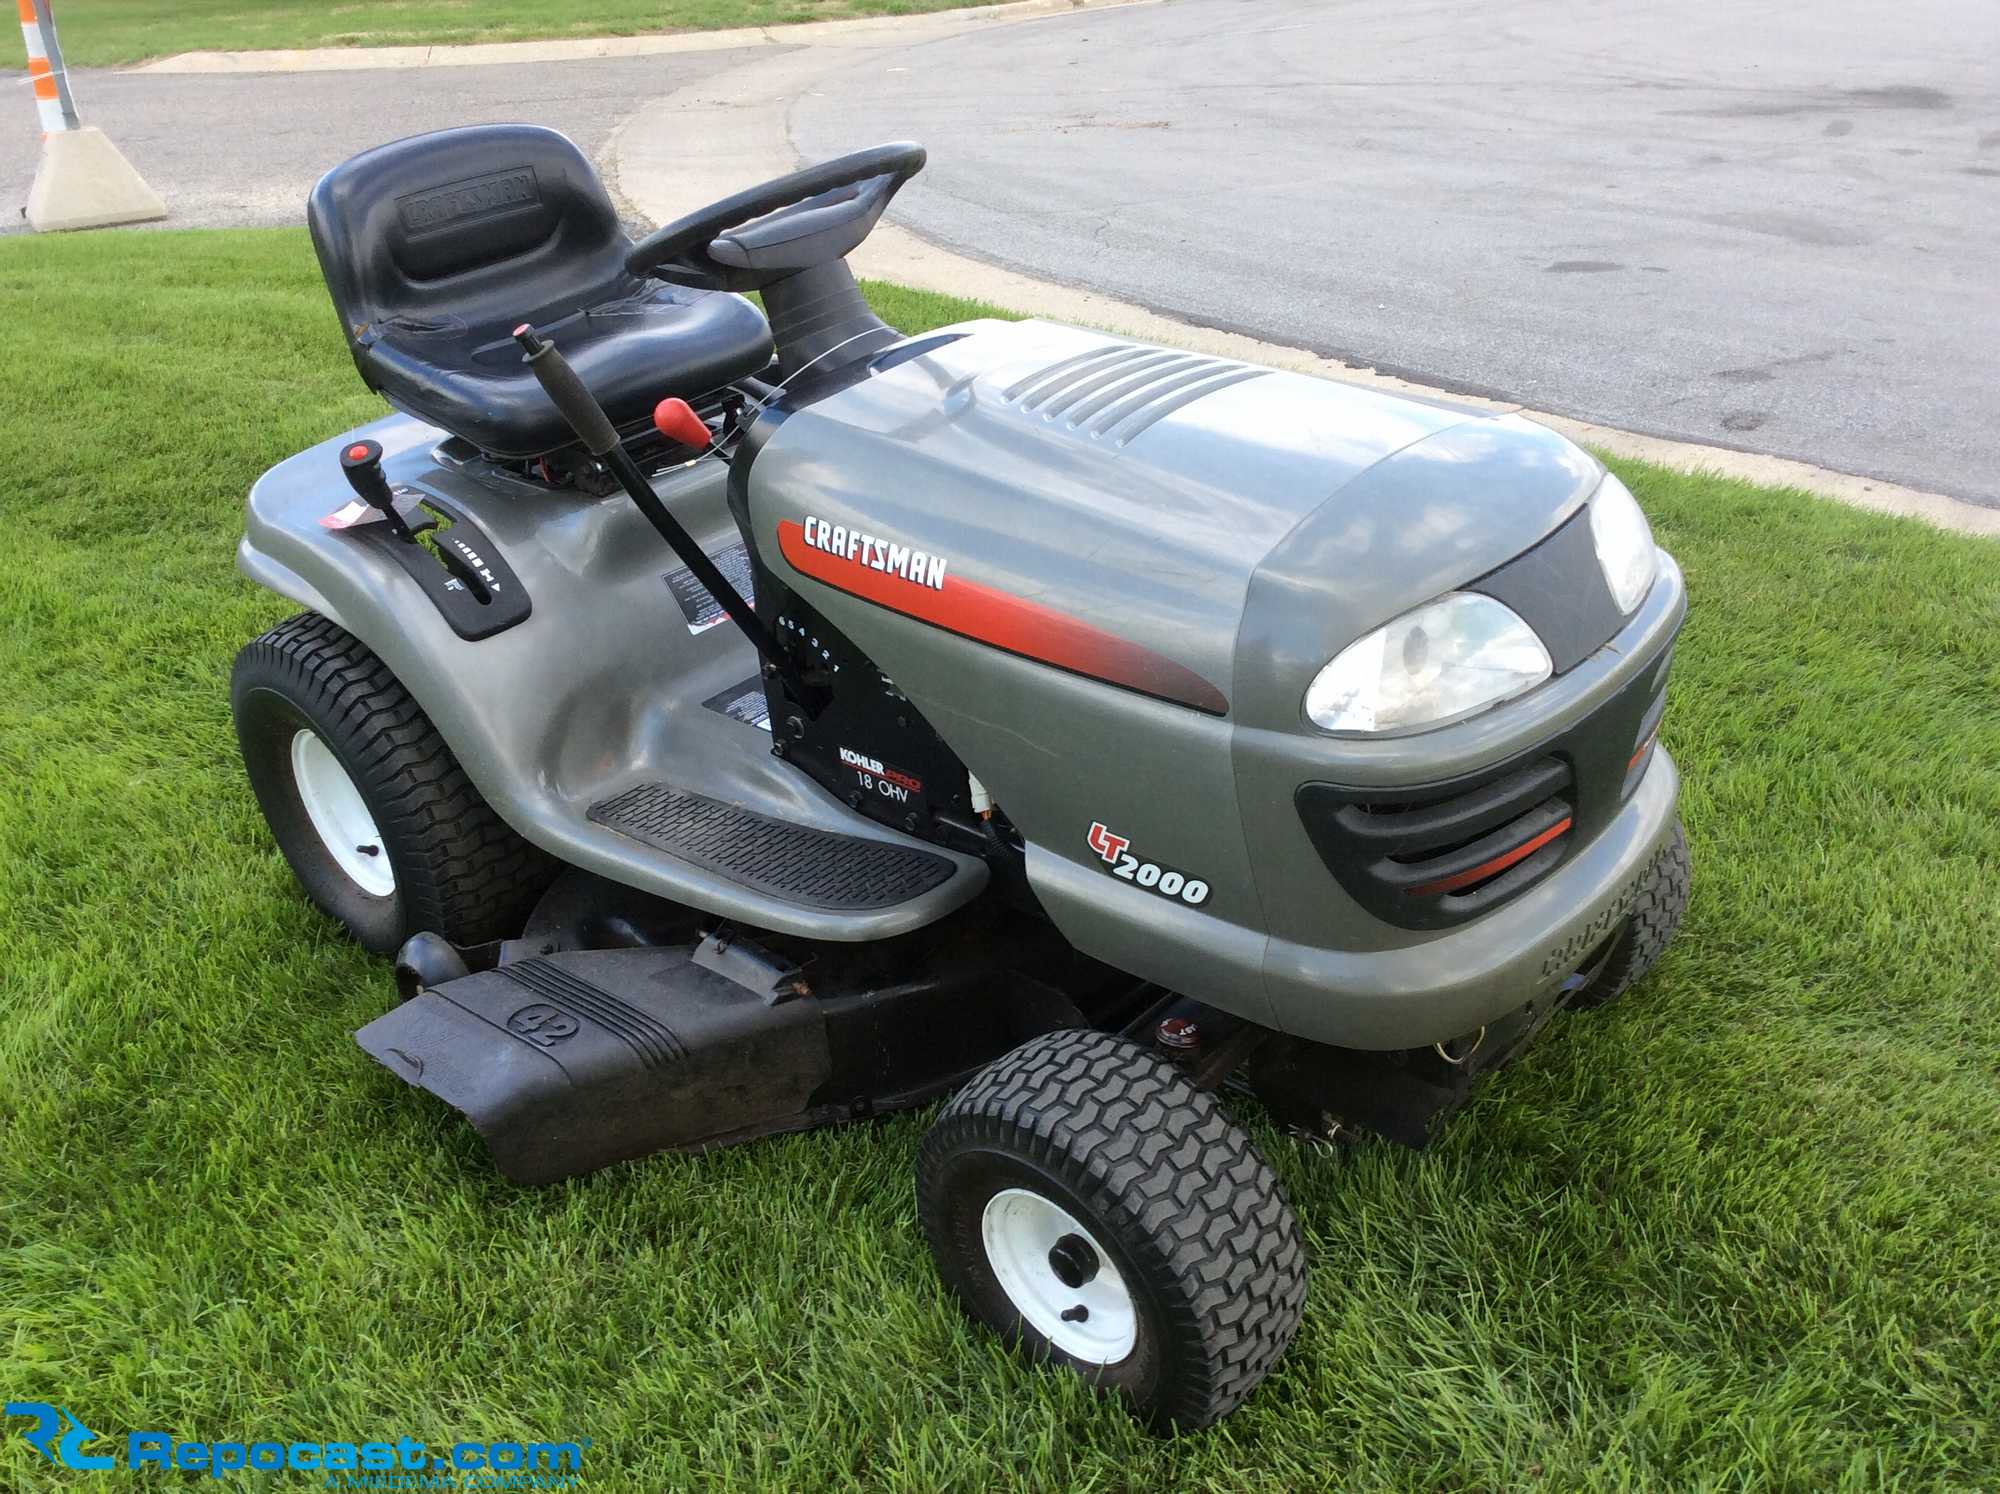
x: 477, y: 563
x: 1558, y: 589
x: 1451, y: 821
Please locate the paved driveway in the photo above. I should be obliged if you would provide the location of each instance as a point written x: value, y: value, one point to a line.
x: 1759, y: 224
x: 243, y: 150
x: 1751, y: 223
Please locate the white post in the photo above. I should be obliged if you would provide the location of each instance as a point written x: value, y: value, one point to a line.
x: 83, y: 181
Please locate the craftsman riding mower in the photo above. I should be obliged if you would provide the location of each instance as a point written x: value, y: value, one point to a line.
x: 738, y: 721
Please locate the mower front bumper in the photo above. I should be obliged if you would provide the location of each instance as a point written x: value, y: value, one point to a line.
x: 1457, y: 981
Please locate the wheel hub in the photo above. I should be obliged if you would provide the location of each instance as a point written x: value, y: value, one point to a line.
x: 1058, y: 1277
x: 340, y: 815
x: 1073, y: 1261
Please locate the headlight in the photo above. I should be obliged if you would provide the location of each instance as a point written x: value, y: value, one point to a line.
x: 1441, y: 663
x: 1624, y: 543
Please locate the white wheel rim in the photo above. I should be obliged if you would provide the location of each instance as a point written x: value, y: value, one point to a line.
x: 1022, y: 1231
x: 340, y: 816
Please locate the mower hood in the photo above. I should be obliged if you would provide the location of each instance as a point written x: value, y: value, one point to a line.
x: 1107, y: 574
x: 1110, y: 507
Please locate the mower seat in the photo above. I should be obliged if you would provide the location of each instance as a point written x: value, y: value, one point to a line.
x: 436, y: 247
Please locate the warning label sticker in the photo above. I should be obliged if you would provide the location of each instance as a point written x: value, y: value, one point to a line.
x: 744, y: 702
x: 701, y: 610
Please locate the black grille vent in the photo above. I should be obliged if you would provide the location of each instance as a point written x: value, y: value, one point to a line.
x: 1436, y: 854
x: 1442, y: 856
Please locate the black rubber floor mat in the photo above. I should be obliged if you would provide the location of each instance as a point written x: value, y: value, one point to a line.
x: 816, y: 868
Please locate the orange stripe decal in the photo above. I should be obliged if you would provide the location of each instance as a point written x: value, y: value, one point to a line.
x: 38, y: 66
x: 27, y: 9
x: 1491, y: 868
x: 45, y: 87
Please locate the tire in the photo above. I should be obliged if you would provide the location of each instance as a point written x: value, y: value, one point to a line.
x: 1168, y: 1198
x: 1656, y: 915
x: 452, y: 865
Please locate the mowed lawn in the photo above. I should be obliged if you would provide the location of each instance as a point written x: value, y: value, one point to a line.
x: 107, y: 32
x: 1742, y: 1231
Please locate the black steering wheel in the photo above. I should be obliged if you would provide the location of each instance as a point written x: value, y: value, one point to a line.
x: 808, y: 218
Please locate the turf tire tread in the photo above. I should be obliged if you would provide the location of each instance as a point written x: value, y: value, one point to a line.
x: 465, y: 874
x: 1656, y: 917
x: 1165, y: 1163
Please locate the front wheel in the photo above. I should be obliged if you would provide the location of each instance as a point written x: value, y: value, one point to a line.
x: 379, y: 822
x: 1656, y: 917
x: 1088, y: 1203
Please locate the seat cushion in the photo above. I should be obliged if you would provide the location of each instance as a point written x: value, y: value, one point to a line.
x: 631, y: 352
x: 435, y: 248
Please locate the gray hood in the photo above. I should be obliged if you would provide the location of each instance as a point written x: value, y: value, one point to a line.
x: 1149, y: 493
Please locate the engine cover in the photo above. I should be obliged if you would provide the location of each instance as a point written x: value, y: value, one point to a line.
x: 1106, y: 573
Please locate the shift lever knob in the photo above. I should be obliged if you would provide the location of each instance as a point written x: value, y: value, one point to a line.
x: 361, y: 461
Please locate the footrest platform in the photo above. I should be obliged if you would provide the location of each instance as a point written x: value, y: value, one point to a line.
x: 815, y: 868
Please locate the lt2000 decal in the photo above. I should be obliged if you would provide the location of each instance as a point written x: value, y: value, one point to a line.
x: 1112, y: 850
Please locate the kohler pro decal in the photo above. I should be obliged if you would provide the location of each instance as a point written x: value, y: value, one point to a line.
x: 876, y: 777
x: 875, y: 554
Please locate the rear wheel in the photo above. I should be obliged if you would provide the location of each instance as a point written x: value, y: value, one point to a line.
x: 1084, y: 1200
x: 378, y: 821
x: 1656, y: 916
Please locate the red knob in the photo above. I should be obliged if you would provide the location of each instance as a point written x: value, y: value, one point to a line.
x: 676, y: 420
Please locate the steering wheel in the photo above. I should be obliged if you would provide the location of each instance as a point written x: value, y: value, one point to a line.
x: 808, y: 218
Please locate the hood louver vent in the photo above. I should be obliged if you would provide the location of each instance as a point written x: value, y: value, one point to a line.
x: 1118, y: 390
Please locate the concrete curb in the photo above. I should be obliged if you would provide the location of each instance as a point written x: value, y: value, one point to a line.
x: 863, y: 31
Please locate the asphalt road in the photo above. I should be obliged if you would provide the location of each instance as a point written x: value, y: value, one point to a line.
x: 1753, y: 224
x: 244, y: 150
x: 1750, y: 223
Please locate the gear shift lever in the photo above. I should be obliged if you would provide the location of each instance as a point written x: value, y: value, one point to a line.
x: 361, y: 461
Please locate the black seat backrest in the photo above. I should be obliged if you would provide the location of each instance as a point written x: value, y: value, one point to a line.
x: 470, y: 230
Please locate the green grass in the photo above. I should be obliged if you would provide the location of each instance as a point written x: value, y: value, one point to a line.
x: 1740, y: 1231
x: 103, y: 33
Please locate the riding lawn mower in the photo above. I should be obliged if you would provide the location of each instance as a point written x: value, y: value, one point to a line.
x: 739, y: 720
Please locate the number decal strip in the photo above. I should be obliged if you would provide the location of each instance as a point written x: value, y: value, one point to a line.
x: 1111, y: 850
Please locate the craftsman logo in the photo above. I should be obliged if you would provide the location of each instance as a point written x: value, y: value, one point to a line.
x: 475, y: 197
x: 875, y: 777
x: 1566, y: 956
x: 915, y: 584
x: 875, y: 554
x: 542, y: 1025
x: 1111, y: 850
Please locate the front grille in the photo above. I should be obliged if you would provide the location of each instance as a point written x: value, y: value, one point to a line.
x: 1433, y: 855
x: 1429, y: 859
